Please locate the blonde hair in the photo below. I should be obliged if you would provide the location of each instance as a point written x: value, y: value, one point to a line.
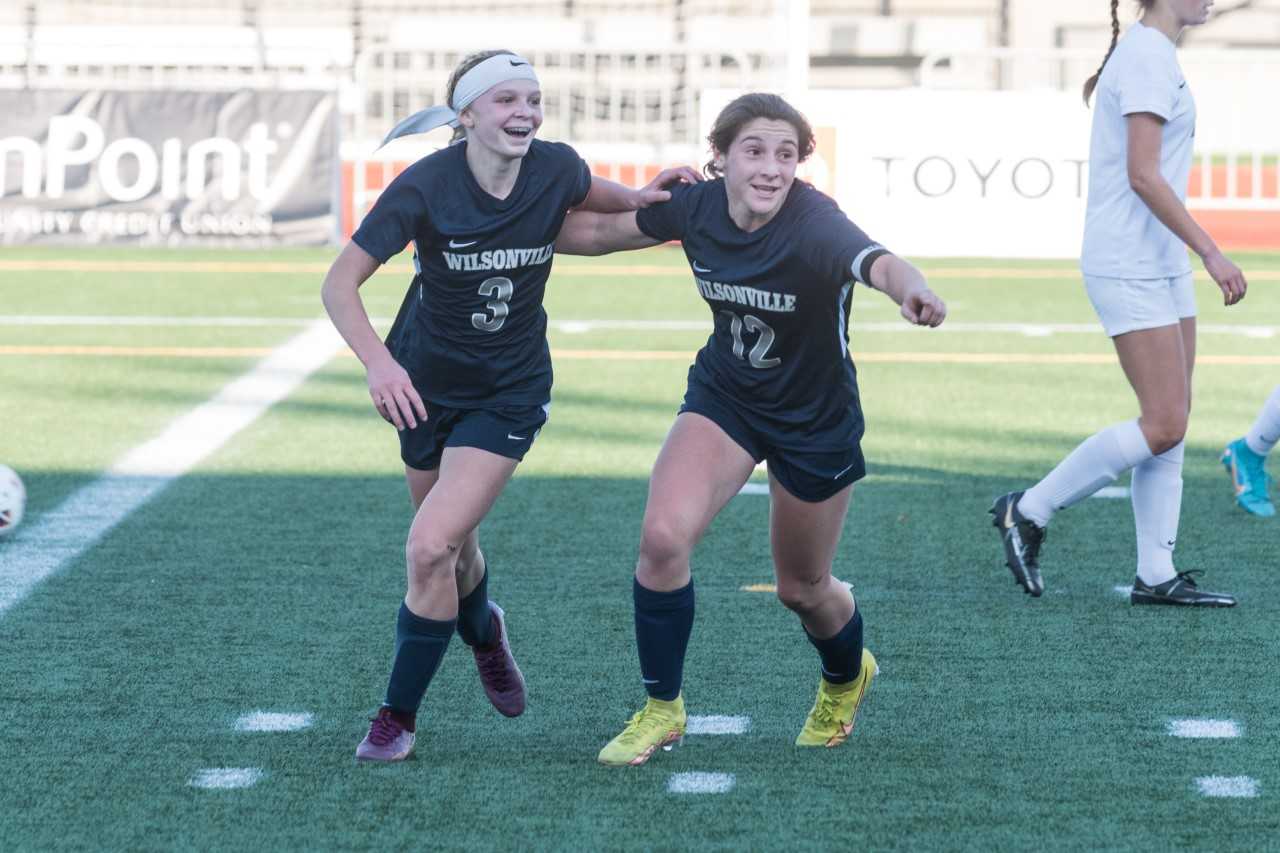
x: 468, y: 62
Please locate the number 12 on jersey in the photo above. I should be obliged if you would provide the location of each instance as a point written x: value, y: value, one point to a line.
x: 759, y: 355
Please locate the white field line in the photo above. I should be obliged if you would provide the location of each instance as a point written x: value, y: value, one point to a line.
x: 1123, y: 590
x: 1114, y: 492
x: 226, y: 777
x: 1030, y: 330
x: 754, y: 489
x: 717, y: 725
x: 1227, y: 786
x: 700, y: 783
x: 58, y: 537
x: 268, y: 721
x: 1195, y: 728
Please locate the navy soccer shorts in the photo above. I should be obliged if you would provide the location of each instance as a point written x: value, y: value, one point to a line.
x: 507, y: 432
x: 811, y: 475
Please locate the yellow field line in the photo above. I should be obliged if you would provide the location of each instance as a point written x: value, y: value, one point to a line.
x: 759, y: 587
x: 136, y: 352
x: 314, y: 268
x: 640, y: 355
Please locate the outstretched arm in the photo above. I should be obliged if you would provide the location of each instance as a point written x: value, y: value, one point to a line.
x: 1143, y: 164
x: 587, y: 233
x: 906, y: 286
x: 605, y: 196
x: 390, y: 387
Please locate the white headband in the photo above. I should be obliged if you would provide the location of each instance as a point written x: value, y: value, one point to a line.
x: 478, y: 80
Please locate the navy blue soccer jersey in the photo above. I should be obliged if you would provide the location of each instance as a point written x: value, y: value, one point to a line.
x: 780, y: 296
x: 472, y: 332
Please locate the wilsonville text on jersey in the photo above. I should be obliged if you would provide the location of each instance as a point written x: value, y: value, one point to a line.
x: 765, y: 300
x: 499, y: 259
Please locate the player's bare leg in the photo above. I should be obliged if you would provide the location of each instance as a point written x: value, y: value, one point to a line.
x: 804, y: 537
x: 698, y: 471
x: 465, y: 488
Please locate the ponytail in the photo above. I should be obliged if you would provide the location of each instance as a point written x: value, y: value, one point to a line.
x: 1092, y: 82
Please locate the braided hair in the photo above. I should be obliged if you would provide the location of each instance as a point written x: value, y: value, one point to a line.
x: 1092, y: 82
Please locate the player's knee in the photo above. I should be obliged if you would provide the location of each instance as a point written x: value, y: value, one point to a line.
x: 663, y: 541
x: 1165, y: 431
x: 469, y: 560
x: 429, y: 555
x: 801, y: 597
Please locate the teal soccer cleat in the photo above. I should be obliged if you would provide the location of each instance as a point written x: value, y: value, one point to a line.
x: 1249, y: 478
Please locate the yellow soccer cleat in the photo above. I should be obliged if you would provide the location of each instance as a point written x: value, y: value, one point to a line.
x: 833, y: 714
x: 657, y: 724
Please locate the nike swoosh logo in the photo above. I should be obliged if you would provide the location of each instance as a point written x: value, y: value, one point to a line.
x: 1182, y: 85
x: 846, y: 468
x: 515, y: 437
x: 516, y: 64
x: 650, y: 680
x: 697, y: 268
x: 454, y: 244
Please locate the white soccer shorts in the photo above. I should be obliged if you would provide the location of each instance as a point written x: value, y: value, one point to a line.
x: 1132, y: 304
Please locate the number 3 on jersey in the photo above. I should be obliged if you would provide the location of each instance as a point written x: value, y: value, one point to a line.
x: 499, y: 289
x: 757, y: 356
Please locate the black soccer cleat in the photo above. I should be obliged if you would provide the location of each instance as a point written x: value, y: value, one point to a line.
x: 1180, y: 591
x: 1022, y: 539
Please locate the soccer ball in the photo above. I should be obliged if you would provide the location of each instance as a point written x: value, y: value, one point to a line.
x: 13, y: 499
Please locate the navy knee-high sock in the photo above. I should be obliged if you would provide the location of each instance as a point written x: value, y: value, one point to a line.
x: 420, y: 645
x: 475, y: 621
x: 842, y: 654
x: 664, y: 621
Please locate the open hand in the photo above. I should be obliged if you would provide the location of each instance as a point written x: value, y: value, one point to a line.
x: 394, y: 396
x: 653, y: 192
x: 1228, y: 277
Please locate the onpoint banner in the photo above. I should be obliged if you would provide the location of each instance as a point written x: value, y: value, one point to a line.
x: 158, y: 168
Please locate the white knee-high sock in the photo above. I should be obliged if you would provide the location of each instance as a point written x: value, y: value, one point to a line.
x: 1157, y: 502
x: 1266, y: 429
x: 1098, y: 460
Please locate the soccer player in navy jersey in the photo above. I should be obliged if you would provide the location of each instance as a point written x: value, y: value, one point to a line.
x: 465, y: 373
x: 776, y: 261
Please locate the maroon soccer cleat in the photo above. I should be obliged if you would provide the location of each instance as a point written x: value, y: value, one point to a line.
x: 387, y: 739
x: 499, y: 675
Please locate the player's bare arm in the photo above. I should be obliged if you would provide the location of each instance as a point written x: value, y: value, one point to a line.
x: 906, y: 286
x: 588, y: 233
x: 607, y: 196
x: 390, y: 388
x: 1143, y: 164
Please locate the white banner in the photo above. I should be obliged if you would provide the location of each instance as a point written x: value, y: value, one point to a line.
x: 952, y: 174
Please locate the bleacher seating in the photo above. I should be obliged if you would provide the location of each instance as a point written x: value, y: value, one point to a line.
x: 609, y: 67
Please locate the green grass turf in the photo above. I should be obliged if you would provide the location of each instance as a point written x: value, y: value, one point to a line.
x: 269, y: 577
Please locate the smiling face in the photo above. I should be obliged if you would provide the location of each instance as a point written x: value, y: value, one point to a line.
x: 505, y: 119
x: 759, y: 169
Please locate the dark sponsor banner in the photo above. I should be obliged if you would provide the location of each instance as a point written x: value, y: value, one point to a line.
x: 161, y: 168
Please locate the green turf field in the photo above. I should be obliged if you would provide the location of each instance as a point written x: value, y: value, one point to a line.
x: 267, y: 579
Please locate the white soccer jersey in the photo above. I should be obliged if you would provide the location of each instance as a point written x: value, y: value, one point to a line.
x: 1122, y: 237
